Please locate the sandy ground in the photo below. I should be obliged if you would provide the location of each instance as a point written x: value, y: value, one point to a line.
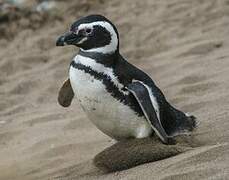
x: 182, y: 44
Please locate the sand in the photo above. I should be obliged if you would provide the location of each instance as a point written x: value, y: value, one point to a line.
x: 182, y: 44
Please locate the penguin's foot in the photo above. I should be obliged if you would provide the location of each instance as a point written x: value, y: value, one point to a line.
x: 171, y: 141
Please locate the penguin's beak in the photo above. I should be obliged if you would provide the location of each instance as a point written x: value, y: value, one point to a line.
x: 68, y: 38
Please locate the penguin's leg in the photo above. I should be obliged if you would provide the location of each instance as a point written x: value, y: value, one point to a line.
x: 66, y: 94
x: 142, y: 96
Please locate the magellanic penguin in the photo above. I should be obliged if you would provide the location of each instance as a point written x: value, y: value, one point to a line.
x: 120, y: 99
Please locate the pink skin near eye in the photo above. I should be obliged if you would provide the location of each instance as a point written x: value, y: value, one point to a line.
x: 85, y: 31
x: 75, y: 31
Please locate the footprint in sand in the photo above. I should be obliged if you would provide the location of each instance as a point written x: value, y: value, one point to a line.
x: 202, y: 49
x: 194, y: 106
x: 44, y: 119
x: 191, y: 79
x: 6, y: 137
x: 24, y: 87
x: 198, y: 89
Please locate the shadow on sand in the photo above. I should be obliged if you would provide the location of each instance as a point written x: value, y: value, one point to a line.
x: 127, y: 154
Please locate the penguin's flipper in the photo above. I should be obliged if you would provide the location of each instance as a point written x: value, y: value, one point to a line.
x: 142, y: 95
x: 66, y: 94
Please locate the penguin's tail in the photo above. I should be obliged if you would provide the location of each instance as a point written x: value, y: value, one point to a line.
x: 177, y: 122
x: 191, y: 122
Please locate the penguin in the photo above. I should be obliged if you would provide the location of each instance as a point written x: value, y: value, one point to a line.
x: 119, y: 98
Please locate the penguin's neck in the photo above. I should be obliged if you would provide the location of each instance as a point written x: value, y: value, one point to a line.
x: 108, y: 59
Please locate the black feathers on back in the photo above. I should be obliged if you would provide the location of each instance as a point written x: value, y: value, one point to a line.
x: 173, y: 120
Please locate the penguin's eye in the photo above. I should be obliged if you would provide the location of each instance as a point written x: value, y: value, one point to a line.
x: 87, y: 31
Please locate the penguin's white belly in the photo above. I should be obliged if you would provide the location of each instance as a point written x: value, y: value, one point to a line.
x: 110, y: 115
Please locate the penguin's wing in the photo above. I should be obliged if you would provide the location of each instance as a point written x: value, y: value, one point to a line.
x: 66, y: 94
x: 150, y: 109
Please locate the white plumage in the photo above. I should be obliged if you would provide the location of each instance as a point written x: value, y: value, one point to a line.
x: 107, y: 113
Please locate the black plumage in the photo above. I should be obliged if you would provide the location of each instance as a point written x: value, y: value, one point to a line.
x: 170, y: 122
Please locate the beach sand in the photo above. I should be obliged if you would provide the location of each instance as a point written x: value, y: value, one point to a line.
x: 182, y: 44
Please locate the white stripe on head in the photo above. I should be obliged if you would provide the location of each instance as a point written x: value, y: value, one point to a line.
x: 100, y: 69
x: 109, y: 48
x: 82, y: 40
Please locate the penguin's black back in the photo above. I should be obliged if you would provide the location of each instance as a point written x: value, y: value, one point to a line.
x: 173, y: 120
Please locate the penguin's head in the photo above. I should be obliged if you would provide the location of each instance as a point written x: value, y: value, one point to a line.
x: 93, y: 33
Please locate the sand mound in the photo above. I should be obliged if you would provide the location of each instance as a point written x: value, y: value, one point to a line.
x: 183, y: 45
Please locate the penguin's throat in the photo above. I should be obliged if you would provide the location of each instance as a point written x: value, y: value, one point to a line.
x: 107, y: 60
